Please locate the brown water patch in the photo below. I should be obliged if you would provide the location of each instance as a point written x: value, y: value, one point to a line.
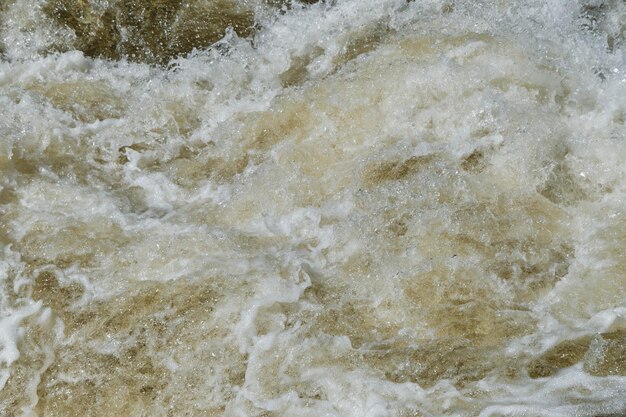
x: 36, y: 354
x: 543, y: 266
x: 67, y: 160
x: 148, y: 329
x: 298, y: 72
x: 137, y: 147
x: 607, y: 354
x: 396, y: 170
x: 485, y: 268
x: 54, y: 295
x: 602, y: 355
x: 287, y: 119
x: 189, y: 168
x: 522, y: 241
x: 149, y: 31
x: 399, y: 226
x: 3, y: 7
x: 474, y: 162
x: 561, y: 187
x: 563, y: 355
x: 361, y: 42
x: 25, y: 166
x: 619, y: 117
x: 86, y: 101
x: 191, y: 172
x: 447, y: 7
x: 357, y: 321
x: 454, y: 306
x: 184, y: 116
x: 8, y: 195
x: 78, y: 243
x: 480, y: 323
x: 434, y: 360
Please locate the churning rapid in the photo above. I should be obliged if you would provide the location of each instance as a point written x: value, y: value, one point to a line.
x: 368, y: 208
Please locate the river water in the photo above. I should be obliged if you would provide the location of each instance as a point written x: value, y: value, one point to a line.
x: 360, y: 208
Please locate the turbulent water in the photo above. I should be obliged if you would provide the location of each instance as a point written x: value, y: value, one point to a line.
x: 344, y: 208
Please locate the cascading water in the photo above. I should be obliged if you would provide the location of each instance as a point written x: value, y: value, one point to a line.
x: 342, y: 208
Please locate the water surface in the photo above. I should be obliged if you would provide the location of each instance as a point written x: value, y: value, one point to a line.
x: 342, y: 208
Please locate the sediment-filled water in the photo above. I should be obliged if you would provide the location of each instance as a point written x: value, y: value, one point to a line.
x: 362, y: 208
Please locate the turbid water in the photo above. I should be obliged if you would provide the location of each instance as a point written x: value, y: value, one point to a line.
x: 343, y: 208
